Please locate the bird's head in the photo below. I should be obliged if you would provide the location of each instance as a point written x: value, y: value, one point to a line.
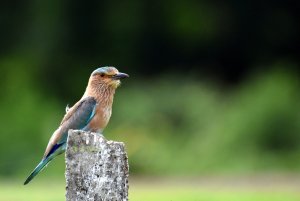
x: 107, y: 76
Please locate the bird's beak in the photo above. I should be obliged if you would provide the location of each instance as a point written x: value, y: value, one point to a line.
x: 120, y: 76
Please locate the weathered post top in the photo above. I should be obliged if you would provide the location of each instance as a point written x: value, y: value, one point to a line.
x: 96, y: 169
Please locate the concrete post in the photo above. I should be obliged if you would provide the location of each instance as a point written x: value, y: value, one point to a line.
x: 96, y: 169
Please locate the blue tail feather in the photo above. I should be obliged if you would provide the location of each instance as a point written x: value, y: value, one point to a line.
x: 55, y: 151
x: 36, y: 170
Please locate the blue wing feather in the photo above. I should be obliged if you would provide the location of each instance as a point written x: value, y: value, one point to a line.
x: 79, y: 119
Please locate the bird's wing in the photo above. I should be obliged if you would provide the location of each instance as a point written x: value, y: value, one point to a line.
x: 77, y: 117
x: 80, y: 114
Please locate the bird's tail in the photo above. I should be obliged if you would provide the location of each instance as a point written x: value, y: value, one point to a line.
x: 38, y: 169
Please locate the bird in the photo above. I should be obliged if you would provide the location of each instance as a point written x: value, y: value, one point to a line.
x: 91, y: 113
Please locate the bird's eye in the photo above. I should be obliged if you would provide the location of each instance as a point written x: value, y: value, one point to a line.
x: 102, y: 74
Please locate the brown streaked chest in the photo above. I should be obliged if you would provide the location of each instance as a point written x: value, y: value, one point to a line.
x: 104, y: 96
x: 101, y: 118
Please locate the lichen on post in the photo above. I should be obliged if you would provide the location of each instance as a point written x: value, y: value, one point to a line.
x: 96, y: 169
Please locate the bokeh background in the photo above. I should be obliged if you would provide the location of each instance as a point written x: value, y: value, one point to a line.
x: 213, y: 94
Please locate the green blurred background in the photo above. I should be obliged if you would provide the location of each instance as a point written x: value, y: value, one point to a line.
x: 213, y: 88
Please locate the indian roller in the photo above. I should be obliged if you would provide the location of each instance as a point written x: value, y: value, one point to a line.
x: 91, y: 113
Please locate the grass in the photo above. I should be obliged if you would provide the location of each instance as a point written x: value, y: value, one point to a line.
x: 181, y: 194
x: 164, y: 190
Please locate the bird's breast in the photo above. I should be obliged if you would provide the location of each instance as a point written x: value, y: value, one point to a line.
x: 101, y: 119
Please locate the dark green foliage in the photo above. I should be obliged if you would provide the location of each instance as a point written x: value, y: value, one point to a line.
x: 170, y: 124
x: 190, y: 105
x: 191, y: 128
